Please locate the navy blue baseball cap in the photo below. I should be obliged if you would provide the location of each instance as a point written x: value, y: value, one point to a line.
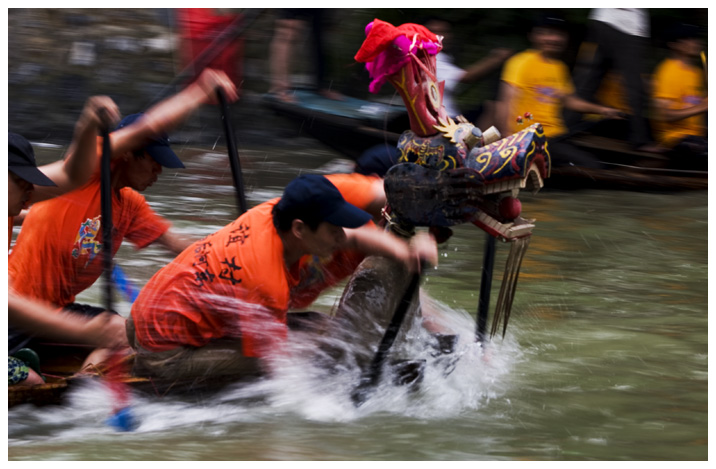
x: 377, y: 160
x: 158, y: 148
x: 21, y: 161
x: 315, y: 195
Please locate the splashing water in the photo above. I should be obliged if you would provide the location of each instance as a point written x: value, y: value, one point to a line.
x: 466, y: 379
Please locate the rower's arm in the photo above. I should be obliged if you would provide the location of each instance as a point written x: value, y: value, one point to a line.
x: 577, y: 104
x: 174, y: 242
x: 81, y: 158
x: 662, y: 111
x: 39, y: 319
x: 486, y: 65
x: 372, y: 241
x: 168, y: 114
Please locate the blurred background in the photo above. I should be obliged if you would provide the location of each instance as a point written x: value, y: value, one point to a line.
x: 58, y: 57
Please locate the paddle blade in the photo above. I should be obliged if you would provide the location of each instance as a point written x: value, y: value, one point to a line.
x: 128, y: 289
x: 122, y: 420
x: 118, y: 369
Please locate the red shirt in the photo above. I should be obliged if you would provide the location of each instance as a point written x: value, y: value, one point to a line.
x: 58, y: 251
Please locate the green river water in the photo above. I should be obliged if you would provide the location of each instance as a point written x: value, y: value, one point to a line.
x: 605, y: 358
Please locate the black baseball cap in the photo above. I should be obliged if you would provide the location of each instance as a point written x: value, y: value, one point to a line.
x: 551, y: 19
x: 316, y: 196
x: 158, y: 148
x: 21, y: 161
x: 680, y: 31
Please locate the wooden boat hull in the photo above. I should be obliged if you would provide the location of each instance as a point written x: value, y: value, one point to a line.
x: 50, y: 393
x: 363, y: 313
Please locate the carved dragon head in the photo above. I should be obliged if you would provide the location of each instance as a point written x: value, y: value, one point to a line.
x: 492, y: 171
x: 405, y: 57
x: 449, y: 173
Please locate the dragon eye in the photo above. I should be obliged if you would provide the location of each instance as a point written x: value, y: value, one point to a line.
x: 434, y: 95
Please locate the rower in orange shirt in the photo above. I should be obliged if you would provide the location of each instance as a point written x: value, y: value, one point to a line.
x: 220, y: 307
x: 57, y: 254
x: 27, y: 184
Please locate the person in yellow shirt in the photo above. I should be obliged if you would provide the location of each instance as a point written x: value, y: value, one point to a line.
x: 536, y: 86
x: 680, y: 99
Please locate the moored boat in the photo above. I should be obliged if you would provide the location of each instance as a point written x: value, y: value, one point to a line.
x: 353, y: 125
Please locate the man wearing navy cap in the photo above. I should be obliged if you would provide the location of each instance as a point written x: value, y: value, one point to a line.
x: 219, y: 308
x: 23, y: 174
x: 28, y: 184
x: 57, y: 254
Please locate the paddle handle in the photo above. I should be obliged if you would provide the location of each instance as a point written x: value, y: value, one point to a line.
x: 393, y: 328
x: 106, y: 212
x: 483, y: 305
x: 233, y: 153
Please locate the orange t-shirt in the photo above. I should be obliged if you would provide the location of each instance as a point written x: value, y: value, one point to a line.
x: 58, y: 251
x: 235, y: 283
x: 232, y: 283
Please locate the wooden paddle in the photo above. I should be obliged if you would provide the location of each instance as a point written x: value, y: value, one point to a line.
x: 122, y: 416
x: 372, y: 375
x: 106, y: 212
x: 233, y: 152
x: 483, y: 305
x: 124, y: 284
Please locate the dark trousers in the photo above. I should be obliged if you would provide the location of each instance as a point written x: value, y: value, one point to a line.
x: 614, y: 50
x: 315, y: 20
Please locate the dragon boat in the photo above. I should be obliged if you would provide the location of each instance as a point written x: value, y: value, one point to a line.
x: 449, y: 173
